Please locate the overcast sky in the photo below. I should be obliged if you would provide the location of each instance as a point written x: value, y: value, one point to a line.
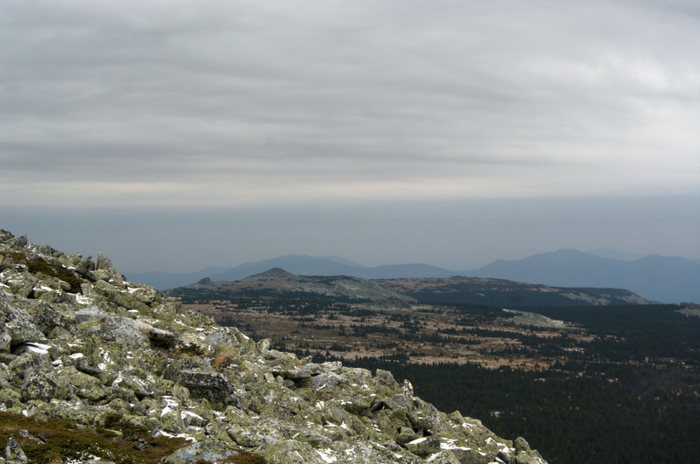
x: 178, y: 134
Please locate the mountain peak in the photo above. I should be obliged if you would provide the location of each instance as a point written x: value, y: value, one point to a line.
x: 655, y: 278
x: 276, y: 273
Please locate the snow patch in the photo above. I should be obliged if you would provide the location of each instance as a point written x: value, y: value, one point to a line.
x: 179, y: 435
x: 184, y: 414
x: 82, y: 300
x: 326, y: 456
x: 39, y: 348
x: 418, y: 440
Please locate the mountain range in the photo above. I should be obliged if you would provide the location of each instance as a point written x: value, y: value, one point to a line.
x: 96, y: 368
x: 295, y: 264
x: 656, y: 278
x: 278, y: 283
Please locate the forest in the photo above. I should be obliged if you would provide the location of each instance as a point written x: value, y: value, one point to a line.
x: 631, y: 396
x: 599, y: 384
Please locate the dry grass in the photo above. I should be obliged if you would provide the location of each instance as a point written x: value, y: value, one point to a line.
x: 55, y: 440
x: 324, y: 335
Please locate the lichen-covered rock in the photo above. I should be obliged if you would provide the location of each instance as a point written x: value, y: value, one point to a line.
x: 81, y: 343
x: 207, y: 450
x: 14, y: 453
x: 424, y: 446
x: 18, y: 326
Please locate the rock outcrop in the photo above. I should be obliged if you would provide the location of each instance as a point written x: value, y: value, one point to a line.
x: 279, y: 283
x: 80, y: 342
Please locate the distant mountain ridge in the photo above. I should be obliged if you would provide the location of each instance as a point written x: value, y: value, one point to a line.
x: 507, y: 293
x: 279, y: 284
x: 656, y: 278
x: 295, y: 264
x: 331, y: 266
x: 164, y: 280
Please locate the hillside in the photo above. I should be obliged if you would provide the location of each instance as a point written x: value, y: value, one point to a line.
x: 278, y: 283
x: 656, y: 278
x: 97, y: 368
x: 295, y: 264
x: 506, y: 293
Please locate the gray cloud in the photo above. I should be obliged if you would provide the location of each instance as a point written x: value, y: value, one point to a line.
x: 159, y: 106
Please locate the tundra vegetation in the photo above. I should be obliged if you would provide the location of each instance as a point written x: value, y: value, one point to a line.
x: 616, y: 383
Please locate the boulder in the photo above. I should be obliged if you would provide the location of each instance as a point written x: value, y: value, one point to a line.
x: 14, y: 453
x: 122, y: 349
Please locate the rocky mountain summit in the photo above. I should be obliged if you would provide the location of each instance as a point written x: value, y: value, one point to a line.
x: 279, y: 283
x: 81, y: 344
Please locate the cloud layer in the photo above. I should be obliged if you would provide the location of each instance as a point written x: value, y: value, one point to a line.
x: 251, y: 109
x: 240, y: 103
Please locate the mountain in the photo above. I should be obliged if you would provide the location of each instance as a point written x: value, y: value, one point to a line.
x: 298, y: 265
x: 280, y: 284
x: 163, y: 280
x: 331, y: 266
x: 506, y: 293
x: 96, y: 368
x: 656, y: 278
x: 404, y: 271
x: 614, y: 254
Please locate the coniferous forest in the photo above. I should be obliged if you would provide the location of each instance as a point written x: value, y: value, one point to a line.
x: 569, y: 418
x: 631, y: 396
x: 594, y: 384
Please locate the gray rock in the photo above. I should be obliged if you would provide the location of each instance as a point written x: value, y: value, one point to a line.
x: 17, y: 325
x: 123, y: 348
x: 521, y: 444
x: 14, y: 453
x: 386, y: 378
x: 208, y: 450
x: 20, y: 242
x: 103, y: 263
x: 424, y: 447
x: 213, y: 386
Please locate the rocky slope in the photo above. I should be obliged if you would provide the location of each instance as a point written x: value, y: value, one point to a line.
x: 279, y: 283
x: 81, y: 343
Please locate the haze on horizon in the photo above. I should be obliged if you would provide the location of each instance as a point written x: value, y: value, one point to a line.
x: 180, y: 135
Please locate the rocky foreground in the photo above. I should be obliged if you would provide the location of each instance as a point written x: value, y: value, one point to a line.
x: 80, y: 343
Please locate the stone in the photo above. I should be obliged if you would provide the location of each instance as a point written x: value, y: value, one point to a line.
x: 103, y: 263
x: 17, y: 324
x: 121, y: 348
x: 14, y: 453
x: 213, y: 386
x: 208, y: 450
x: 386, y: 378
x: 424, y: 446
x: 521, y: 444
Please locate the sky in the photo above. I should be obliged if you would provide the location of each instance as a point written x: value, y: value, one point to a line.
x: 180, y: 134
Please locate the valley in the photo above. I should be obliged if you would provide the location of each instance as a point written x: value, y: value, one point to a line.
x: 582, y: 380
x: 423, y: 334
